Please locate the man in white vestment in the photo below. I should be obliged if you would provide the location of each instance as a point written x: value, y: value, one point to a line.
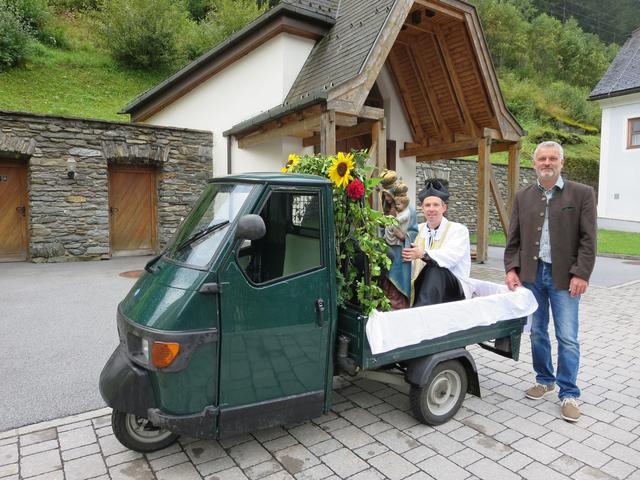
x: 441, y: 253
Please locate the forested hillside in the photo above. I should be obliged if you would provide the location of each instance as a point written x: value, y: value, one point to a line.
x: 90, y: 57
x: 612, y: 20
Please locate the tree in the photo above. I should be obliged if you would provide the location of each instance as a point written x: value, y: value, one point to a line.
x: 507, y: 33
x: 144, y: 33
x: 15, y: 37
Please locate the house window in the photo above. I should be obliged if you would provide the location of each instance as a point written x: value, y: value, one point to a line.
x: 634, y: 133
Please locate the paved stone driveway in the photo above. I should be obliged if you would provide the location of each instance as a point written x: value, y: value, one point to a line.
x: 369, y: 433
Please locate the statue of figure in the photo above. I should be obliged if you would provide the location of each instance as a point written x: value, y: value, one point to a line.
x: 395, y: 202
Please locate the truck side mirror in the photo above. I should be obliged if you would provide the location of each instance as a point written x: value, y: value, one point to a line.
x: 251, y: 227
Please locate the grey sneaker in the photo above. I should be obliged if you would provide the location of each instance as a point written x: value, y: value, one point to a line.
x: 570, y: 410
x: 538, y: 391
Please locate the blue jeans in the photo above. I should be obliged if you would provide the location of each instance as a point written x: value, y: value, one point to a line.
x: 565, y: 319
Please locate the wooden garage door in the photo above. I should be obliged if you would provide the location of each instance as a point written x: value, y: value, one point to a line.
x: 132, y: 210
x: 13, y: 211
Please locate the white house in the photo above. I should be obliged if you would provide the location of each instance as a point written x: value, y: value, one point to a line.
x: 411, y: 80
x: 618, y: 94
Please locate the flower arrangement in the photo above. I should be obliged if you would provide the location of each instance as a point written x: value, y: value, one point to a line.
x: 361, y: 253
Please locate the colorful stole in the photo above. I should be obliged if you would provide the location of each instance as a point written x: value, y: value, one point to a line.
x: 418, y: 264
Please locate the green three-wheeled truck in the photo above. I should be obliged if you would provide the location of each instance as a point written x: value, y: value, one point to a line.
x: 235, y: 326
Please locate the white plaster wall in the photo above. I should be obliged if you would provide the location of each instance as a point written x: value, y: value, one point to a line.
x: 618, y: 193
x: 398, y: 130
x: 255, y: 83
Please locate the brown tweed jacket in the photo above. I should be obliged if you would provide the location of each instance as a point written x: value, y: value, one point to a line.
x: 572, y: 231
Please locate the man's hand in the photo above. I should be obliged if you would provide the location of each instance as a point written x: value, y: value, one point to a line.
x: 577, y: 286
x: 513, y: 279
x: 412, y: 253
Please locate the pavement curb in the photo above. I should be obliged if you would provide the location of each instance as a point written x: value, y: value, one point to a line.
x: 36, y: 427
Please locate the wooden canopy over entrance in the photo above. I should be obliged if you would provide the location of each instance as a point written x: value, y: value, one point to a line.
x: 438, y: 59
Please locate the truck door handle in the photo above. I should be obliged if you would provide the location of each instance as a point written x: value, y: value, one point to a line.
x: 320, y: 307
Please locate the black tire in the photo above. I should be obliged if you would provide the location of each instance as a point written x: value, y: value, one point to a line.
x: 440, y: 398
x: 139, y: 434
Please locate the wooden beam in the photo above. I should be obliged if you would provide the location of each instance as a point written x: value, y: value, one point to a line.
x: 292, y: 128
x: 495, y: 148
x: 444, y: 149
x: 357, y: 89
x: 503, y: 214
x: 458, y: 96
x: 430, y: 100
x: 378, y: 153
x: 491, y: 133
x: 297, y: 124
x: 343, y: 120
x: 371, y: 113
x: 482, y: 228
x: 513, y: 174
x: 328, y: 133
x: 379, y: 144
x: 343, y: 106
x: 436, y: 7
x: 416, y: 28
x: 341, y: 133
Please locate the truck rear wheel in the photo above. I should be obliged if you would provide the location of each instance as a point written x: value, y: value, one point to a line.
x: 140, y: 434
x: 441, y: 396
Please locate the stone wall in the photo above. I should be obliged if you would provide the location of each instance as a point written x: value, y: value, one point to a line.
x: 463, y: 187
x: 69, y: 218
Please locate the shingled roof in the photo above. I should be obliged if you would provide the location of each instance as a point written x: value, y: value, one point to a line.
x: 623, y: 75
x: 320, y: 7
x: 340, y: 55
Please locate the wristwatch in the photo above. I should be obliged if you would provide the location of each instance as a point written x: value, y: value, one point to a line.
x: 425, y: 257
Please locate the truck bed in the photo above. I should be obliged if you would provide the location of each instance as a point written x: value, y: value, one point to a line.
x: 351, y: 323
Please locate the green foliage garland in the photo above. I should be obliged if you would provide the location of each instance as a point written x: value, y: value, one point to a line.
x: 357, y: 225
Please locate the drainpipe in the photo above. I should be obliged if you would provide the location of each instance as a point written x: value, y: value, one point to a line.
x: 229, y: 155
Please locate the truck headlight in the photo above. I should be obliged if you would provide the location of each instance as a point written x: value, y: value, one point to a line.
x: 145, y: 349
x: 152, y: 353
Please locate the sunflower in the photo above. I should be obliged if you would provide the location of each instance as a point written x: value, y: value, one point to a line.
x: 292, y: 161
x: 340, y: 169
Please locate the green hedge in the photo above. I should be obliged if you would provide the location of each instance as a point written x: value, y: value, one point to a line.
x: 14, y: 38
x: 583, y: 170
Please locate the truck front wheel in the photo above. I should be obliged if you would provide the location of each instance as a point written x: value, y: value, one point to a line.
x: 140, y: 434
x: 441, y: 396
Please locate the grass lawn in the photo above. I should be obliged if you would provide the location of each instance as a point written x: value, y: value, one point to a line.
x: 82, y: 83
x: 609, y: 241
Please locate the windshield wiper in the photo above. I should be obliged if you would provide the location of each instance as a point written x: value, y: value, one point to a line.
x: 149, y: 266
x: 201, y: 233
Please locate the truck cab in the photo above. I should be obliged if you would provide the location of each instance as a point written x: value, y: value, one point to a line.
x: 246, y: 293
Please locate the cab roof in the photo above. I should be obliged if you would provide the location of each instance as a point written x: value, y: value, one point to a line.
x: 273, y: 178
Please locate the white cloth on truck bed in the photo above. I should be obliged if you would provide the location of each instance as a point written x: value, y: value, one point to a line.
x: 491, y: 303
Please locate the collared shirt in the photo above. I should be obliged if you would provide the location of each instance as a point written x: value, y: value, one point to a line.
x: 545, y: 239
x: 434, y: 234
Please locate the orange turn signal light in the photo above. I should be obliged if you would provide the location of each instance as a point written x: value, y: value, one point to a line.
x: 164, y: 353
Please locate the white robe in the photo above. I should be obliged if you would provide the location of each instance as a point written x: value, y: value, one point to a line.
x: 454, y: 253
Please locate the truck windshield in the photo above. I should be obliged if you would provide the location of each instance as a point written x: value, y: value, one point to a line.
x: 200, y: 235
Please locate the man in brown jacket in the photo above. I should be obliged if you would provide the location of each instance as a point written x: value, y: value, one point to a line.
x: 551, y: 247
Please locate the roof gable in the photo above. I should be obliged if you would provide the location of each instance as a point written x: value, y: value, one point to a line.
x: 437, y: 54
x: 623, y: 75
x: 341, y: 54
